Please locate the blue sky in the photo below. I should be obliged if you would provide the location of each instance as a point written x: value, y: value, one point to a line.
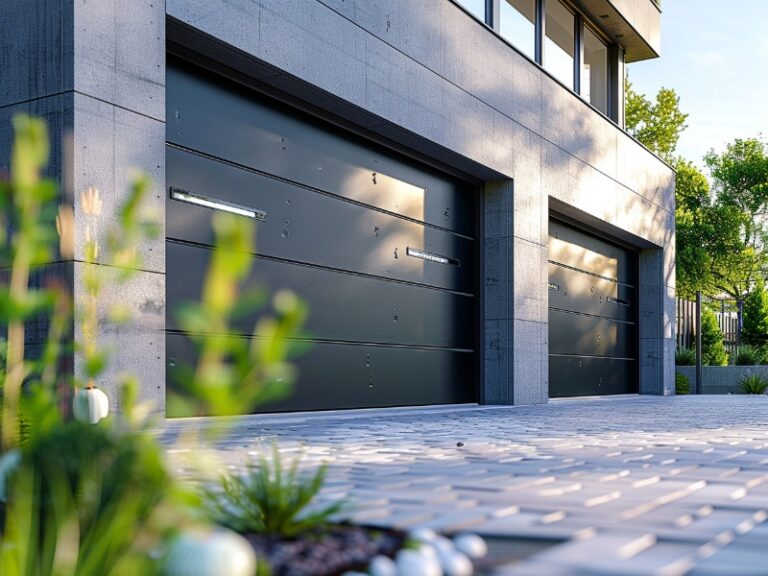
x: 714, y: 54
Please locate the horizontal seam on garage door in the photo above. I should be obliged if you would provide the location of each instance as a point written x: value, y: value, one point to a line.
x: 316, y: 190
x: 330, y: 269
x: 597, y: 356
x: 629, y: 322
x: 329, y: 341
x: 614, y: 280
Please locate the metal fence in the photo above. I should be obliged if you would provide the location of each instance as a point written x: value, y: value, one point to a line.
x: 685, y: 325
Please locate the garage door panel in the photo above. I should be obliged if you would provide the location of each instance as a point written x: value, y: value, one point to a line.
x: 586, y: 376
x: 380, y: 246
x: 306, y: 226
x: 592, y: 315
x: 343, y: 307
x: 334, y: 376
x: 578, y: 291
x: 584, y: 251
x: 230, y: 124
x: 573, y: 333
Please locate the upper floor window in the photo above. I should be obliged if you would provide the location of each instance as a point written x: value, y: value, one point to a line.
x: 594, y: 71
x: 559, y: 42
x: 554, y: 35
x: 475, y: 7
x: 517, y: 23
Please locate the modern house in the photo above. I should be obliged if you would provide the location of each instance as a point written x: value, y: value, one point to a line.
x: 446, y: 183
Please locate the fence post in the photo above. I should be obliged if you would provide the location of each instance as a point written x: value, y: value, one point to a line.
x: 740, y: 320
x: 699, y: 374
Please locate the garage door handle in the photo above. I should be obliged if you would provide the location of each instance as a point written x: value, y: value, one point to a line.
x: 618, y: 301
x: 216, y: 204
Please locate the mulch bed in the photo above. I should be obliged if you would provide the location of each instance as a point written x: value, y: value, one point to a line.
x: 328, y: 551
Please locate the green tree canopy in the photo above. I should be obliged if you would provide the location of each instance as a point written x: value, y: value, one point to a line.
x: 735, y: 223
x: 656, y: 124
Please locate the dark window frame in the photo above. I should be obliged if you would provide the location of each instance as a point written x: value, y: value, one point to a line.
x: 613, y: 113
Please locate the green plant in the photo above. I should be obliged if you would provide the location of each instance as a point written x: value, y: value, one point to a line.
x: 748, y: 356
x: 685, y: 357
x: 712, y: 348
x: 753, y: 384
x: 755, y: 330
x: 270, y: 499
x: 84, y: 501
x: 682, y: 385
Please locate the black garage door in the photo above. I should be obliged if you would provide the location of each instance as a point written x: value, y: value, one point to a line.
x: 592, y: 315
x: 380, y: 247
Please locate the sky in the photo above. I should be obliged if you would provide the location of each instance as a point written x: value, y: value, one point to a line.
x: 714, y: 54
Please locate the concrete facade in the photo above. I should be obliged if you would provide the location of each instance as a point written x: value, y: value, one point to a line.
x: 424, y: 76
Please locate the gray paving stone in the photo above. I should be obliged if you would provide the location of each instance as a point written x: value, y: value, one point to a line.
x: 631, y: 485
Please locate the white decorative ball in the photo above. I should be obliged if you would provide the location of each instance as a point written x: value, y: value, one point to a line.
x: 471, y: 545
x: 90, y: 405
x: 426, y: 535
x: 413, y: 563
x: 382, y: 566
x: 443, y: 545
x: 217, y: 552
x: 456, y: 564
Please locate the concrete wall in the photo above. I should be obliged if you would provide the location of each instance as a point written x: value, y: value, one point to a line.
x: 720, y: 379
x: 95, y: 70
x: 423, y: 75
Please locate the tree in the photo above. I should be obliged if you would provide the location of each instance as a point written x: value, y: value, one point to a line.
x: 658, y: 124
x: 755, y: 331
x: 712, y: 349
x: 737, y: 231
x: 692, y: 258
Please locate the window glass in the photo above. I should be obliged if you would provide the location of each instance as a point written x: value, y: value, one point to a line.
x: 476, y: 7
x: 559, y: 42
x: 594, y: 72
x: 517, y: 24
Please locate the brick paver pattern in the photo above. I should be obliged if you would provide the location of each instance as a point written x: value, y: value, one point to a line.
x: 625, y: 485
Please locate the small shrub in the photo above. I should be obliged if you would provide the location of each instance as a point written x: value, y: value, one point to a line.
x: 682, y: 385
x: 685, y: 357
x: 270, y: 499
x: 712, y: 348
x: 755, y: 331
x: 748, y: 356
x: 753, y: 384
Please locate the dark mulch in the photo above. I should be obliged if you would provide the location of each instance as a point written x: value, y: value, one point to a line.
x: 329, y: 551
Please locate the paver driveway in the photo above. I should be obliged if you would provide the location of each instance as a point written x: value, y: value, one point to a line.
x: 622, y: 485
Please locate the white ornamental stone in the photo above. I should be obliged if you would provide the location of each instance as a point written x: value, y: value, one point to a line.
x: 456, y: 564
x: 217, y: 552
x: 426, y: 535
x: 471, y: 545
x: 382, y: 566
x: 414, y: 563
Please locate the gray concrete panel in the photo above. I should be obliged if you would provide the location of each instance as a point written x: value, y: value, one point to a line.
x: 36, y: 55
x: 119, y: 48
x: 135, y: 347
x: 530, y: 361
x: 110, y: 145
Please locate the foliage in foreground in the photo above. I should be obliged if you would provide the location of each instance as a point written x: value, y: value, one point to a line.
x: 682, y: 384
x: 753, y: 384
x: 84, y: 500
x: 271, y: 499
